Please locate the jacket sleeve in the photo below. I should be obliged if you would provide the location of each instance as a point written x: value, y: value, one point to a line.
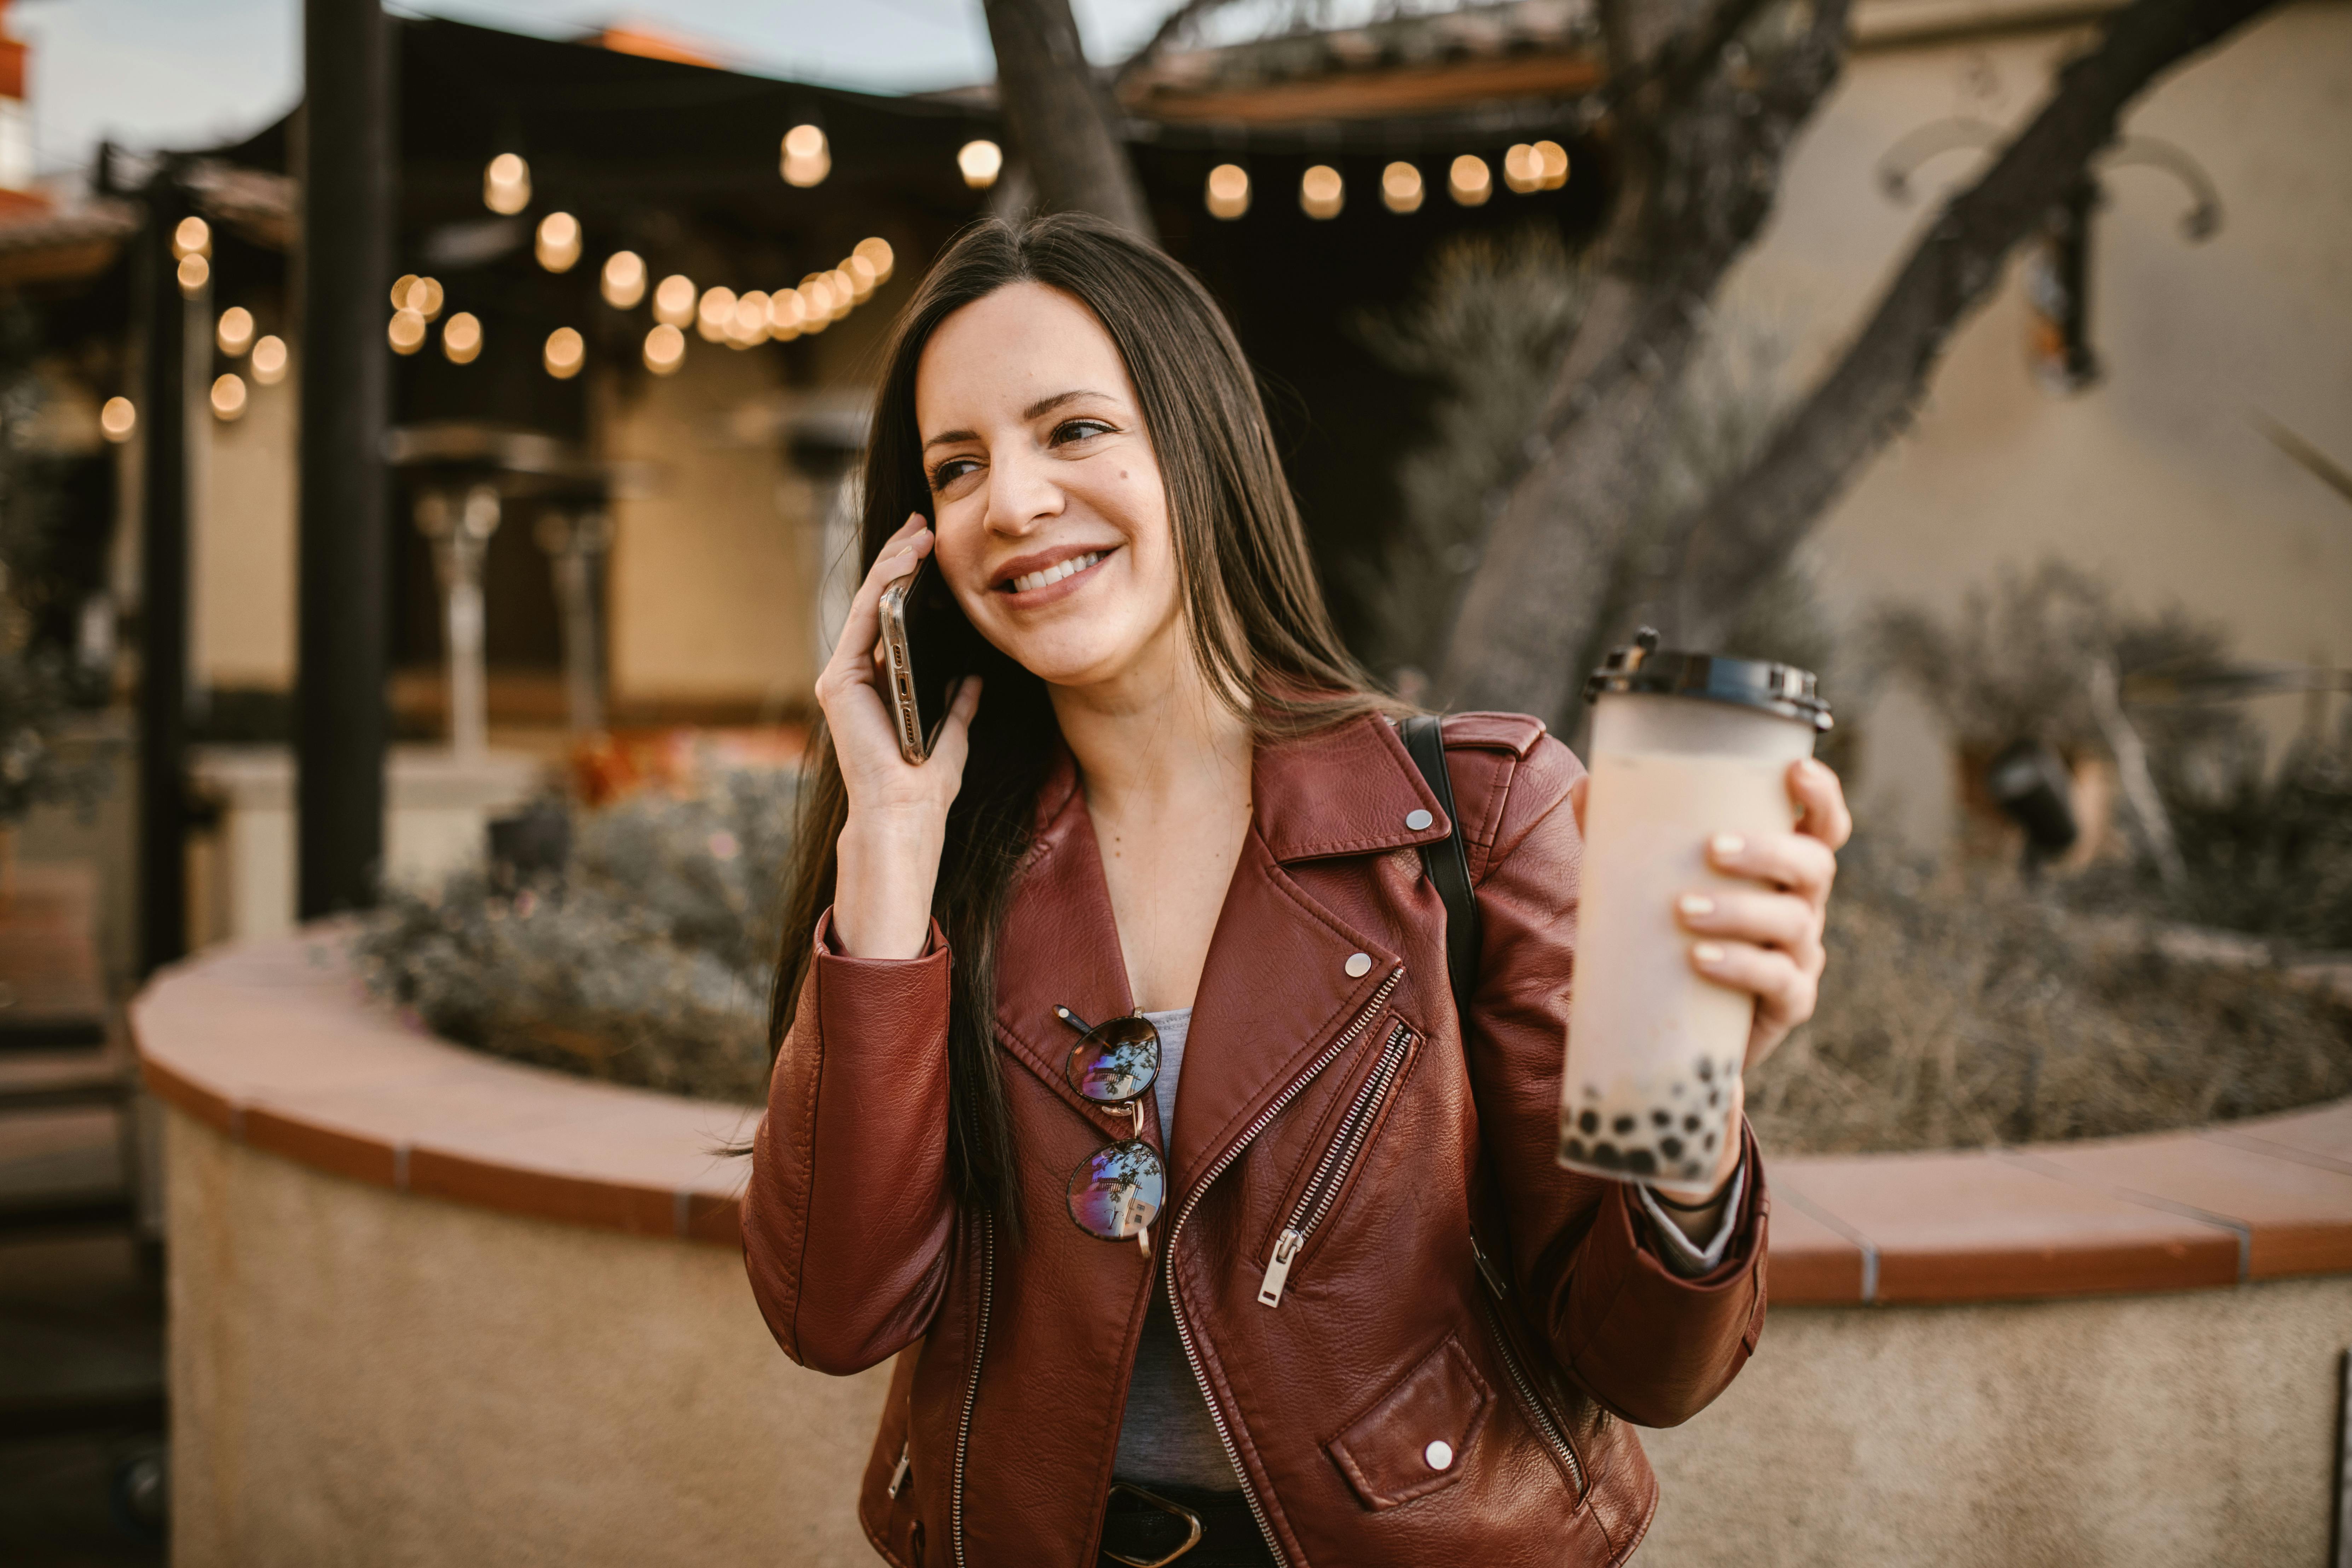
x: 847, y: 1217
x: 1653, y: 1346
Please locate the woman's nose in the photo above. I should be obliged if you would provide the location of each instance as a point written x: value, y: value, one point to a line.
x: 1021, y: 494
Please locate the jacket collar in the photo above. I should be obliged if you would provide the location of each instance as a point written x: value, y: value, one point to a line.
x: 1277, y: 989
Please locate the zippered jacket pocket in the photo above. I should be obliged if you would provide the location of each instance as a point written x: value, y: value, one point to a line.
x: 1342, y: 1155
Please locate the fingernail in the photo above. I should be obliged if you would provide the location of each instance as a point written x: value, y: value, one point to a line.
x: 1698, y: 904
x: 1728, y: 844
x: 1707, y: 953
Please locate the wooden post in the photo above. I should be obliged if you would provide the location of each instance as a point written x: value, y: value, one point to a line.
x: 164, y: 590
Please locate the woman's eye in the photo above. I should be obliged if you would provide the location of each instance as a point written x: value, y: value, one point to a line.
x: 1078, y: 430
x: 951, y: 471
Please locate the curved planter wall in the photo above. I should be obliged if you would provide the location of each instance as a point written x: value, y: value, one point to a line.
x: 432, y: 1306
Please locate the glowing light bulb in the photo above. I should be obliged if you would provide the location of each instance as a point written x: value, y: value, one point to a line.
x: 624, y: 279
x: 234, y: 335
x: 1523, y: 169
x: 406, y: 333
x: 1229, y: 191
x: 747, y: 324
x: 269, y: 359
x: 1553, y: 158
x: 860, y: 273
x: 400, y: 288
x: 1322, y: 192
x: 1401, y: 188
x: 194, y: 273
x: 845, y: 293
x: 665, y: 350
x: 506, y: 185
x: 565, y: 353
x: 1468, y: 180
x: 817, y: 293
x: 718, y: 307
x: 559, y: 242
x: 877, y: 250
x: 118, y: 420
x: 980, y: 162
x: 787, y: 312
x: 808, y: 158
x: 674, y: 300
x: 424, y: 296
x: 191, y: 237
x: 228, y: 398
x: 461, y: 338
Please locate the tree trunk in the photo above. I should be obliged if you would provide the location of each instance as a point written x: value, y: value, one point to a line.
x: 1062, y: 123
x: 1752, y: 528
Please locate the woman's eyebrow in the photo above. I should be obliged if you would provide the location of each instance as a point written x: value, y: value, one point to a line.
x: 945, y: 436
x: 1048, y: 404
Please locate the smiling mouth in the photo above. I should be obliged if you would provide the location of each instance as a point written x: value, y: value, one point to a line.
x: 1047, y: 576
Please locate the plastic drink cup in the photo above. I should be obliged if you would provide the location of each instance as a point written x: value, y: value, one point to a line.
x: 1685, y: 746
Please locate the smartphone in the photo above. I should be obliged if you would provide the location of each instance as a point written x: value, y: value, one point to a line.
x: 927, y: 649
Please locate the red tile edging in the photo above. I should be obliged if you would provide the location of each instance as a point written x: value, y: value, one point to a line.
x: 276, y: 1044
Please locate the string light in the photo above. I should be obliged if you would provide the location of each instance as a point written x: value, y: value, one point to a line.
x: 559, y: 242
x: 191, y: 237
x: 194, y: 273
x: 1523, y: 169
x: 235, y: 332
x: 786, y: 313
x: 228, y: 398
x: 1229, y: 191
x: 816, y: 295
x: 565, y: 353
x: 876, y: 251
x: 400, y: 288
x: 461, y: 338
x: 624, y: 279
x: 674, y: 300
x: 860, y: 273
x: 807, y: 157
x: 1401, y: 188
x: 506, y: 185
x: 747, y: 324
x: 269, y: 360
x: 1553, y: 157
x: 406, y: 333
x: 422, y: 295
x: 118, y: 420
x: 980, y: 162
x: 1469, y: 181
x: 1322, y: 192
x: 664, y: 349
x: 716, y: 309
x: 844, y: 292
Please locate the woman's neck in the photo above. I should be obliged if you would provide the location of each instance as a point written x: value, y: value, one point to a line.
x: 1155, y: 737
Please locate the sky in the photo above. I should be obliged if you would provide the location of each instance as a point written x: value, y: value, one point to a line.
x: 189, y: 73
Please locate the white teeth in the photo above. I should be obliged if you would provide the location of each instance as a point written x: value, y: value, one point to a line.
x: 1071, y: 567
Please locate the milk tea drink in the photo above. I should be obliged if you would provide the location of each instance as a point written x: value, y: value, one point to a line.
x: 1685, y: 746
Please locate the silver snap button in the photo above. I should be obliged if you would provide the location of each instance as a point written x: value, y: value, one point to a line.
x: 1440, y: 1454
x: 1360, y: 965
x: 1418, y: 819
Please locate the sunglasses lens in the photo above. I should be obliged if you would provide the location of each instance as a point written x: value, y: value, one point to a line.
x: 1119, y: 1190
x: 1114, y: 1062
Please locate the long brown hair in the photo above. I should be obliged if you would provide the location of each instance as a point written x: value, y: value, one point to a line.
x: 1254, y: 617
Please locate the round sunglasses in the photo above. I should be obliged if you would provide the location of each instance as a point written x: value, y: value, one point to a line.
x: 1117, y: 1193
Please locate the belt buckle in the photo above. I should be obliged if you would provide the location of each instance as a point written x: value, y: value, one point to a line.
x: 1165, y: 1506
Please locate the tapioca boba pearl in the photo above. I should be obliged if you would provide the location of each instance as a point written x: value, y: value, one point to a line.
x: 1690, y: 1123
x: 1573, y: 1148
x: 1693, y: 1169
x: 1706, y: 1071
x: 1671, y: 1147
x: 1592, y: 1091
x: 1605, y: 1155
x: 1622, y: 1126
x: 1662, y: 1118
x: 1589, y: 1121
x: 1641, y: 1162
x: 1714, y: 1096
x: 1710, y: 1142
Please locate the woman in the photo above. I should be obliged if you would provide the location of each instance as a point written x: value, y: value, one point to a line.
x: 1363, y: 1319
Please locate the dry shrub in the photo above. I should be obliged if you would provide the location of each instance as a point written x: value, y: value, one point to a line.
x: 1959, y: 1013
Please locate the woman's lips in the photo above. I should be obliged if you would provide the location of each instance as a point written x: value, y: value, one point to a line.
x: 1050, y: 583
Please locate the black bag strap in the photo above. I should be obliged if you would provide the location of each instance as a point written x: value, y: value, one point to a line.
x: 1448, y: 864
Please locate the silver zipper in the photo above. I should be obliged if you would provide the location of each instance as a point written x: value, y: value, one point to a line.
x: 906, y: 1466
x: 971, y: 1389
x: 1331, y: 1173
x: 1184, y: 1330
x: 1550, y: 1432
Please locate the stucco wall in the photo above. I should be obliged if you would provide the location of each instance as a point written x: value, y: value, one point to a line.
x: 2195, y: 1429
x: 364, y: 1377
x: 2161, y: 479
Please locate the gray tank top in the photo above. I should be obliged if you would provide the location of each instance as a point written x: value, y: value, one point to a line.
x: 1167, y: 1435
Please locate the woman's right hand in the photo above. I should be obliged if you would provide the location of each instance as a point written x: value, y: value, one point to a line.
x: 889, y: 846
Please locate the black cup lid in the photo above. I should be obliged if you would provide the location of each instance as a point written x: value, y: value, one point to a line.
x: 1644, y: 668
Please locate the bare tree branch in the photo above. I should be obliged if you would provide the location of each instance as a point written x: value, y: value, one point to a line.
x: 1693, y: 189
x: 1754, y: 526
x: 1061, y: 119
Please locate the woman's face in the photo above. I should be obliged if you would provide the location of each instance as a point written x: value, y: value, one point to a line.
x: 1052, y: 522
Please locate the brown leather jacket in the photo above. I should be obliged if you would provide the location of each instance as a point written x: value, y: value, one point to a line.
x: 1003, y: 1414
